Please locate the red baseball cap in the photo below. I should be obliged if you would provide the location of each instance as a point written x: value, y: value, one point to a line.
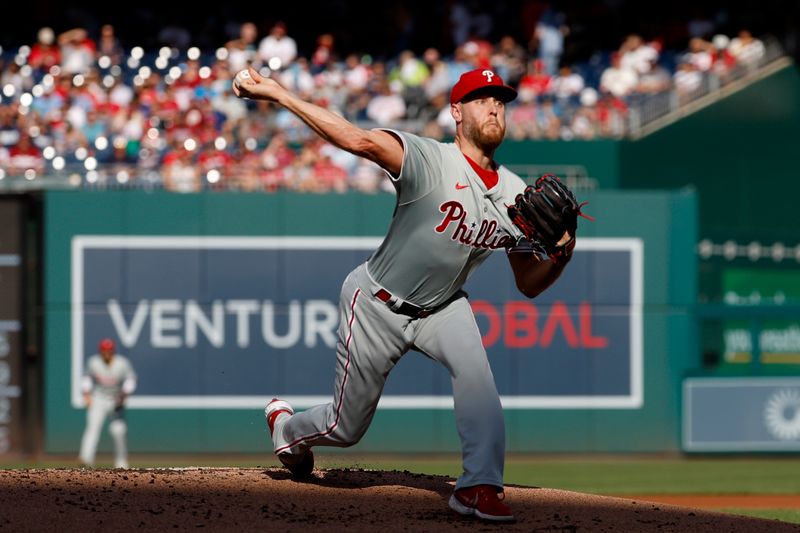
x: 481, y: 78
x: 106, y: 345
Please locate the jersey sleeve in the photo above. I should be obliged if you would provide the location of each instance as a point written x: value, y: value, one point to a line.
x: 129, y: 379
x: 421, y: 170
x: 87, y: 380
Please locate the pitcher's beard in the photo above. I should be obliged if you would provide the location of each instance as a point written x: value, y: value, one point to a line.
x: 487, y: 141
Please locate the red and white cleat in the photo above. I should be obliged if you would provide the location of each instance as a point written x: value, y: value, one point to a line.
x: 481, y: 501
x: 300, y: 466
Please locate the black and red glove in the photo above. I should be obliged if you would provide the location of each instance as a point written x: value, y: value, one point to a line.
x: 544, y: 212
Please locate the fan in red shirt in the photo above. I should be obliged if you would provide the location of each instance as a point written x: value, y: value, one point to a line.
x: 536, y: 81
x: 44, y: 53
x: 212, y: 158
x: 23, y: 156
x: 274, y: 160
x: 328, y: 176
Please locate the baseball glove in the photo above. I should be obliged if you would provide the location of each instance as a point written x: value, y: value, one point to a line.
x: 544, y: 212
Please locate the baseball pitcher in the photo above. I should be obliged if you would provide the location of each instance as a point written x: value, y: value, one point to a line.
x: 108, y: 381
x: 455, y: 206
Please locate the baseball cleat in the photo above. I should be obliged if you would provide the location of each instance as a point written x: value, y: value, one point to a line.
x: 481, y: 501
x: 299, y: 465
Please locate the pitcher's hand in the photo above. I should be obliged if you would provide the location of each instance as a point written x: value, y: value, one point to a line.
x: 250, y: 84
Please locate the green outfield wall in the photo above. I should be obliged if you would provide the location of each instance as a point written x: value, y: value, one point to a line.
x: 598, y: 160
x: 100, y: 245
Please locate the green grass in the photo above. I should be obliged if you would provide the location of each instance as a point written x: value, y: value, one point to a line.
x: 784, y: 515
x: 675, y: 476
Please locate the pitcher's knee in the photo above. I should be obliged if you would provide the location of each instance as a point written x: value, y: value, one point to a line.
x: 348, y: 436
x: 476, y: 385
x: 348, y: 439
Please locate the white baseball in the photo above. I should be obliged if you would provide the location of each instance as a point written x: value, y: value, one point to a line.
x: 241, y: 76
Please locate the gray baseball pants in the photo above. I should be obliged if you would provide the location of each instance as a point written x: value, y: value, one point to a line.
x: 372, y: 339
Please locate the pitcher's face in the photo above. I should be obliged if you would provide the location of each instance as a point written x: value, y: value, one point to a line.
x: 483, y: 121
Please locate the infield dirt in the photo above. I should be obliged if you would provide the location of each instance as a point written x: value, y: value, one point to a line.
x: 258, y: 499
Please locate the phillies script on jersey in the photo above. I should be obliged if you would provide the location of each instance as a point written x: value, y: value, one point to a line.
x: 465, y: 232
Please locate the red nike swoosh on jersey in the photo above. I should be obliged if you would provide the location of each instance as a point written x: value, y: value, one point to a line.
x: 459, y: 186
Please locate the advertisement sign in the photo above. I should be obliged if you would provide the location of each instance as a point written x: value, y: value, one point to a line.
x: 741, y: 414
x: 778, y: 338
x: 230, y: 322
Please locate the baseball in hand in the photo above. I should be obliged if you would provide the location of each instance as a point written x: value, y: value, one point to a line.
x: 241, y: 76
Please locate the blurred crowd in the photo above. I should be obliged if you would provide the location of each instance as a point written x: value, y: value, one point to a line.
x: 83, y: 109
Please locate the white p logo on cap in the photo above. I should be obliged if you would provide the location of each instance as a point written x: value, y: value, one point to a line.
x: 489, y: 75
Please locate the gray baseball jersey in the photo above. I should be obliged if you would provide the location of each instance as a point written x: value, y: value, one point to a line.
x: 446, y: 224
x: 109, y: 381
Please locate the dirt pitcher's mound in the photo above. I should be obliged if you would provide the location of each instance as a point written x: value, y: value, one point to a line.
x: 256, y: 499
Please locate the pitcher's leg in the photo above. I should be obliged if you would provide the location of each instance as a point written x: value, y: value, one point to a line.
x: 451, y: 336
x: 481, y: 427
x: 370, y: 343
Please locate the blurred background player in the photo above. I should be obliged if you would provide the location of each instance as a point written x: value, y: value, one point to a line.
x: 108, y: 382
